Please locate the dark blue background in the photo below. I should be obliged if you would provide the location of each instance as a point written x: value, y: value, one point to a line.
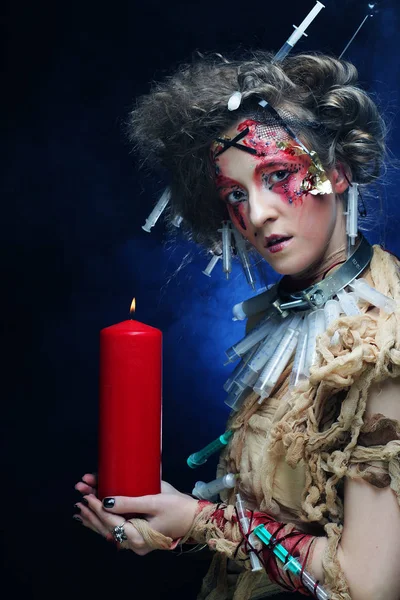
x: 74, y: 255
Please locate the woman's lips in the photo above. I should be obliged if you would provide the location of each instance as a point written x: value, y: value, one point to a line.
x: 278, y: 245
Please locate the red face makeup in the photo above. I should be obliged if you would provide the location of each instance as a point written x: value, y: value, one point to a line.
x: 282, y: 165
x: 272, y: 196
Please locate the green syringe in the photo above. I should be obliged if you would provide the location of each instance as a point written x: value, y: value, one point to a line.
x: 200, y: 457
x: 291, y: 563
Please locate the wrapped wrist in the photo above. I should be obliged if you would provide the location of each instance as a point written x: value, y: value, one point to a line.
x: 218, y: 526
x: 298, y: 544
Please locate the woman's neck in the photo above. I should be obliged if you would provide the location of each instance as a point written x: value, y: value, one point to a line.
x: 316, y: 272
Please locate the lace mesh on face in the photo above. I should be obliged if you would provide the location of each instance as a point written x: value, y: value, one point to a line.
x: 280, y: 124
x: 266, y: 131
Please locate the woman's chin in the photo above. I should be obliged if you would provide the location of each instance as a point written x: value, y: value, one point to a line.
x: 287, y: 266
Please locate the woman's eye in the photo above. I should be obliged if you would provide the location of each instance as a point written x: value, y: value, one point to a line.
x: 236, y: 196
x: 278, y: 176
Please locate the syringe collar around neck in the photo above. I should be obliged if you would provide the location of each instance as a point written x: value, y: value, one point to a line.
x: 316, y: 295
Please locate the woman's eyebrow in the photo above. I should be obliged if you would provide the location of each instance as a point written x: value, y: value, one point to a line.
x: 223, y: 181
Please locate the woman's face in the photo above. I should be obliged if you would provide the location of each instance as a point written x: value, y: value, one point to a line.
x: 274, y: 199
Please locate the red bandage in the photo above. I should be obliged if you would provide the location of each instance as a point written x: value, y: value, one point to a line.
x: 297, y: 543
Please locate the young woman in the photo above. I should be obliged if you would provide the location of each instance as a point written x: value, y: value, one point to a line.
x: 278, y: 149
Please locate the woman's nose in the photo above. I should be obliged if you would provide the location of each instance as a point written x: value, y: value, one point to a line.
x: 262, y: 208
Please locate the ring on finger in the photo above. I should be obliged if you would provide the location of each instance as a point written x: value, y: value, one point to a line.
x: 119, y: 533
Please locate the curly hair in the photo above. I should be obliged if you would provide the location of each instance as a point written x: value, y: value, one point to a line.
x: 175, y: 124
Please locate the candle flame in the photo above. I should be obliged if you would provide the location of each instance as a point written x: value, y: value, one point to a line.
x: 133, y: 307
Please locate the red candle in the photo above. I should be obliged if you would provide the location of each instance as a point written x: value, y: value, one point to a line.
x: 130, y: 410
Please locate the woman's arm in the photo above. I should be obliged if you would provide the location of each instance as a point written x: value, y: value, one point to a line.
x: 369, y: 550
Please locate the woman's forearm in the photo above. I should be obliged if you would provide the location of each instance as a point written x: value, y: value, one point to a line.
x: 218, y: 526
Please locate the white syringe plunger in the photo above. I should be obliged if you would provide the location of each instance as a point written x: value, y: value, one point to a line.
x: 301, y: 29
x: 213, y: 261
x: 157, y: 210
x: 298, y: 32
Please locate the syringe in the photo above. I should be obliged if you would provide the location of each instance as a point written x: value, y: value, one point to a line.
x: 236, y: 396
x: 177, y: 220
x: 199, y: 458
x: 260, y: 267
x: 244, y: 257
x: 213, y: 261
x: 316, y: 326
x: 157, y: 210
x: 363, y: 290
x: 348, y: 304
x: 237, y: 371
x: 291, y: 563
x: 250, y: 373
x: 352, y: 213
x: 275, y: 366
x: 297, y: 374
x: 332, y: 312
x: 298, y: 33
x: 245, y: 523
x: 226, y: 248
x: 255, y: 305
x: 208, y: 491
x: 258, y: 333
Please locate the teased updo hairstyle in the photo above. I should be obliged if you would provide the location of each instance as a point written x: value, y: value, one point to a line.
x: 175, y: 124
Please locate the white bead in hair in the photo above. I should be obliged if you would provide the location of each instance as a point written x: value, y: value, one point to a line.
x: 235, y: 100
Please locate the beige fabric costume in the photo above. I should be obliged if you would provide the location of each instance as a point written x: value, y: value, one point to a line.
x: 293, y: 450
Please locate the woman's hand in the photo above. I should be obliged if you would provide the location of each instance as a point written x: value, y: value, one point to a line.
x: 170, y: 513
x: 87, y: 485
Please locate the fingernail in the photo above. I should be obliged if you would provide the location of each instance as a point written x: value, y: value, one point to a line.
x: 76, y: 518
x: 77, y: 507
x: 86, y: 483
x: 108, y: 502
x: 85, y: 502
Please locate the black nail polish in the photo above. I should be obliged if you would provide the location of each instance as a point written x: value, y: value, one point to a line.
x: 77, y: 507
x: 108, y: 502
x: 85, y: 502
x: 78, y: 519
